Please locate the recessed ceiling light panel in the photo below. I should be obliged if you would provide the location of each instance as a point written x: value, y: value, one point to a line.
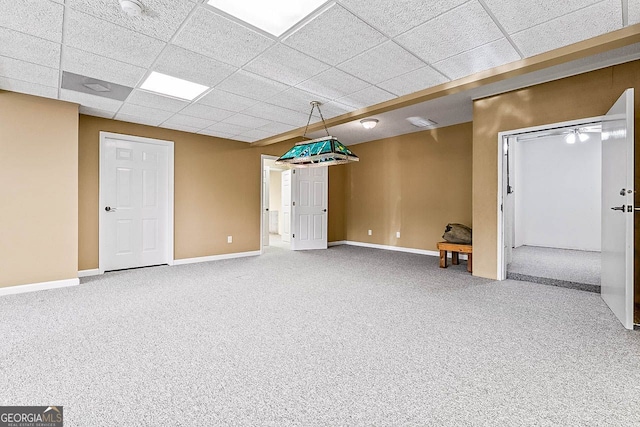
x: 172, y: 86
x: 274, y: 16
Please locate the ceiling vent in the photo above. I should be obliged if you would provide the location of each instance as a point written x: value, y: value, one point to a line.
x: 421, y: 122
x: 84, y: 84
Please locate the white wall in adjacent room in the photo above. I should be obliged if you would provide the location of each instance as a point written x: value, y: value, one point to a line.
x: 557, y: 193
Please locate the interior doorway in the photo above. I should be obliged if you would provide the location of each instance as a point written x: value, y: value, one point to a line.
x: 276, y: 196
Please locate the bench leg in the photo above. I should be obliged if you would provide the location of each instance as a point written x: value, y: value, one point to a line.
x: 470, y: 263
x: 443, y: 259
x: 454, y: 258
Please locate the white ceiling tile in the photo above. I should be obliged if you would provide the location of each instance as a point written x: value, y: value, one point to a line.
x: 333, y: 84
x: 251, y: 85
x: 335, y: 36
x: 152, y: 115
x: 405, y: 14
x: 381, y: 63
x: 227, y: 128
x: 256, y: 134
x: 277, y: 114
x: 577, y: 26
x: 147, y: 99
x: 366, y: 97
x: 210, y: 132
x: 516, y: 15
x: 227, y: 101
x: 88, y: 111
x: 91, y: 34
x: 206, y: 112
x: 28, y: 88
x: 36, y: 17
x: 28, y: 72
x: 634, y: 12
x: 187, y: 65
x: 454, y: 32
x: 277, y: 128
x: 296, y: 99
x: 286, y: 65
x: 29, y: 48
x: 160, y: 18
x: 246, y: 121
x: 414, y: 81
x: 245, y: 138
x: 91, y: 101
x: 334, y: 109
x: 148, y: 121
x: 215, y: 36
x: 194, y: 122
x: 481, y: 58
x: 99, y: 67
x: 182, y: 128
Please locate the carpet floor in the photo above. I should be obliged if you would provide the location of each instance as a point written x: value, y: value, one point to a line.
x: 346, y: 336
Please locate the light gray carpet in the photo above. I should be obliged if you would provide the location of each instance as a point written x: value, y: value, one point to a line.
x: 346, y: 336
x: 575, y: 268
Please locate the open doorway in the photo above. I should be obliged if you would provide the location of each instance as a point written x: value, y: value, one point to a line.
x: 553, y: 204
x: 276, y: 204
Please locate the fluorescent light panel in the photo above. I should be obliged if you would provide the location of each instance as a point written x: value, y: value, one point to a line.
x: 172, y: 86
x: 274, y: 16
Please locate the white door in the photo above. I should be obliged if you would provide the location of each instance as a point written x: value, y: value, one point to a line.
x: 618, y: 208
x: 310, y: 200
x: 265, y: 206
x: 134, y: 187
x: 286, y: 206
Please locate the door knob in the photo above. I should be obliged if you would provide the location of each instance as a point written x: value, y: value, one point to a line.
x: 618, y: 208
x: 324, y: 210
x: 110, y: 209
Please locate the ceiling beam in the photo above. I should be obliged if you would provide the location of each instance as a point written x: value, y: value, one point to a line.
x: 603, y: 43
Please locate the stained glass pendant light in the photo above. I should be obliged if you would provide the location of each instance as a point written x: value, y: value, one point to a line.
x: 325, y: 151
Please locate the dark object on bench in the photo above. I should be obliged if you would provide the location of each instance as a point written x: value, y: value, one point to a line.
x: 457, y: 233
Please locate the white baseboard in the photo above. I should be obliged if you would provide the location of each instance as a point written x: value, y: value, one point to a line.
x: 399, y: 249
x: 92, y: 272
x: 337, y: 243
x: 215, y: 257
x: 19, y: 289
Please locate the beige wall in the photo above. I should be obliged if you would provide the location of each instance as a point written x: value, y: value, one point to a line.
x: 217, y: 190
x: 275, y: 195
x: 585, y: 95
x: 415, y: 184
x: 39, y: 190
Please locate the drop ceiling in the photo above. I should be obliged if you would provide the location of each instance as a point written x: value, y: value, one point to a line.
x: 348, y: 54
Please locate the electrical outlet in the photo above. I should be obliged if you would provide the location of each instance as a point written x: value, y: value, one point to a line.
x: 229, y: 239
x: 398, y: 234
x: 370, y: 232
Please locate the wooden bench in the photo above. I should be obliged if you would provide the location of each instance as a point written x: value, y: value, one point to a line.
x: 455, y: 249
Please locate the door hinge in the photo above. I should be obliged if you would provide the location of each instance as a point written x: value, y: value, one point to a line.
x: 293, y: 171
x: 629, y: 208
x: 293, y: 203
x: 294, y: 236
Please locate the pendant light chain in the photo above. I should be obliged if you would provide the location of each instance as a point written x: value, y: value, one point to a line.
x: 315, y: 104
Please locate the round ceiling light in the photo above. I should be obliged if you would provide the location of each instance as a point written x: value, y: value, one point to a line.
x: 131, y: 7
x: 369, y: 123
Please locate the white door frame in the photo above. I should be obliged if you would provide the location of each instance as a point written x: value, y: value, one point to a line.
x: 263, y: 157
x: 101, y: 201
x: 501, y: 268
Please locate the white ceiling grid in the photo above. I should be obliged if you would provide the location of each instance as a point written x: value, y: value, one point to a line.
x: 349, y: 55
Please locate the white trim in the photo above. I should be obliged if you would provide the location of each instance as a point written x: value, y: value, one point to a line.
x: 337, y: 243
x: 501, y: 270
x: 92, y: 272
x: 398, y: 249
x: 215, y: 257
x: 170, y: 197
x: 32, y: 287
x: 263, y: 157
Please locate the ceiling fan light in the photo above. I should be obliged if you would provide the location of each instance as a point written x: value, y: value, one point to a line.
x: 583, y: 136
x: 570, y: 138
x: 369, y: 123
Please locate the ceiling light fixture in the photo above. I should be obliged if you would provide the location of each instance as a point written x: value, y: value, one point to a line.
x: 325, y: 151
x: 369, y: 123
x: 576, y: 135
x: 421, y: 122
x: 172, y: 86
x: 275, y: 16
x: 131, y: 7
